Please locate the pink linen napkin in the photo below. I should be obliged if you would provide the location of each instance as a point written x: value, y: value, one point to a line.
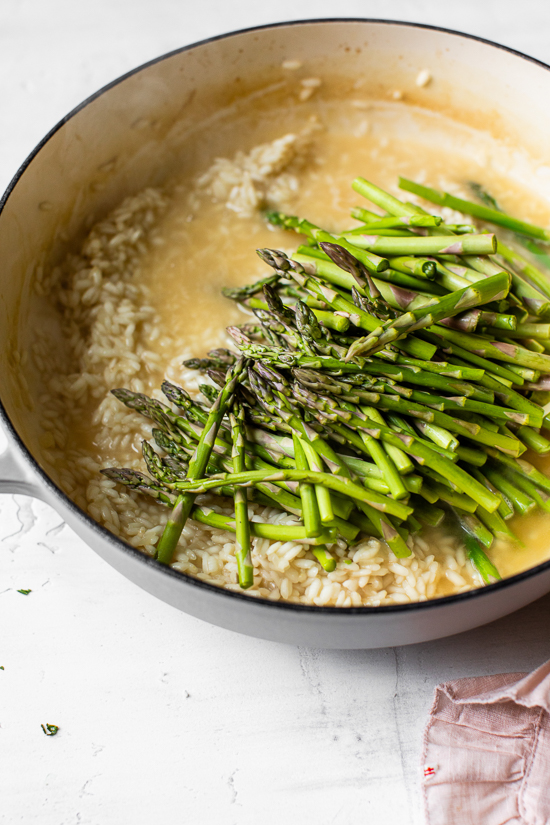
x: 486, y: 756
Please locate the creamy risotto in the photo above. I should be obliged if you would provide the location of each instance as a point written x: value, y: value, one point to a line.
x: 143, y: 293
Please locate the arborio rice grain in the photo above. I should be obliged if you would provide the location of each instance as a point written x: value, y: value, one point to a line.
x: 110, y: 325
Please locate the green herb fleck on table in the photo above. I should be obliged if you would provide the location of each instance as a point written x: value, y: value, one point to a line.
x: 49, y: 730
x: 25, y: 592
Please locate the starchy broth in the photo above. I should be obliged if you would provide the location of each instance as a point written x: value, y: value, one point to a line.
x: 192, y: 245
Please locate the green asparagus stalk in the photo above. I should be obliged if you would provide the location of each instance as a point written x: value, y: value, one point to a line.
x: 383, y: 199
x: 527, y: 330
x: 424, y: 454
x: 519, y: 263
x: 522, y: 467
x: 431, y: 516
x: 415, y: 265
x: 439, y: 435
x: 314, y: 462
x: 475, y: 209
x: 324, y: 558
x: 505, y: 508
x: 491, y: 289
x: 394, y: 221
x: 522, y: 503
x: 197, y: 465
x: 454, y: 499
x: 310, y: 509
x: 372, y: 521
x: 403, y: 232
x: 533, y: 440
x: 273, y: 532
x: 327, y: 319
x: 496, y: 525
x: 531, y: 490
x: 480, y: 560
x: 333, y: 482
x: 242, y: 551
x: 473, y: 527
x: 473, y: 350
x: 374, y: 263
x: 523, y: 267
x: 471, y: 456
x: 241, y: 293
x: 484, y: 244
x: 400, y: 460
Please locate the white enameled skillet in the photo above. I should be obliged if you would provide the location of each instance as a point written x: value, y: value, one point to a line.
x: 124, y: 138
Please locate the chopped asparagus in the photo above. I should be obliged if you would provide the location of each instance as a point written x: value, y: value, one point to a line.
x: 385, y: 370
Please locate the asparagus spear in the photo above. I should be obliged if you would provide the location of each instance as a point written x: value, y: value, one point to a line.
x: 480, y: 560
x: 394, y: 221
x: 522, y: 503
x: 484, y: 244
x: 492, y: 288
x: 415, y: 265
x: 241, y: 293
x: 477, y: 210
x: 527, y: 486
x: 333, y: 482
x: 317, y: 262
x: 521, y: 467
x: 242, y: 552
x: 310, y: 509
x: 324, y: 558
x: 197, y: 465
x: 431, y: 516
x: 473, y: 528
x: 274, y: 532
x: 402, y: 232
x: 372, y: 521
x: 314, y: 462
x: 533, y: 247
x: 383, y: 199
x: 372, y: 262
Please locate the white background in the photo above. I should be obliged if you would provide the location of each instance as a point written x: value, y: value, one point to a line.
x: 163, y: 718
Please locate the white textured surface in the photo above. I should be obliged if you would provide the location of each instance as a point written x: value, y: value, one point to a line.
x: 164, y: 718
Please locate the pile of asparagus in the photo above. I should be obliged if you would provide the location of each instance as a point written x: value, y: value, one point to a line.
x: 392, y: 378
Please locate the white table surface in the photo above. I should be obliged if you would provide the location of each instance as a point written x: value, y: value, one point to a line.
x: 164, y: 718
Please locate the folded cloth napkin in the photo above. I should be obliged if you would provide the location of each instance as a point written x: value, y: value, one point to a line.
x: 486, y: 753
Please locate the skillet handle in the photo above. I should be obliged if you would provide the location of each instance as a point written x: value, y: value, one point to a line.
x: 16, y: 476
